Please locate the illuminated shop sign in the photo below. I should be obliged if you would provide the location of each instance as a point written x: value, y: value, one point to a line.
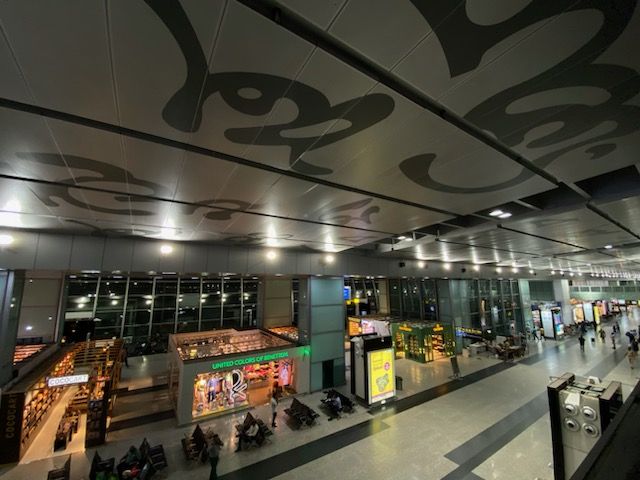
x: 267, y: 357
x: 466, y: 331
x: 68, y: 380
x: 438, y: 328
x: 405, y: 329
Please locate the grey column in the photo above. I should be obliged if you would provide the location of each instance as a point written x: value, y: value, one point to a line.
x: 276, y: 303
x: 327, y: 327
x: 8, y: 325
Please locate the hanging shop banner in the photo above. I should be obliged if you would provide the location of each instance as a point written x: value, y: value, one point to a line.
x: 68, y: 380
x: 382, y: 376
x: 468, y: 332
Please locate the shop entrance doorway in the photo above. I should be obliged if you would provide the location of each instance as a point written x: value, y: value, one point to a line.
x: 327, y: 374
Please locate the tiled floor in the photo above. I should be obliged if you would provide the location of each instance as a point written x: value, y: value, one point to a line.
x: 493, y: 424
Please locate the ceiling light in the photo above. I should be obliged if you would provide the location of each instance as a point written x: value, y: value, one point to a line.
x: 6, y: 239
x: 553, y: 272
x: 446, y: 266
x: 499, y: 269
x: 148, y: 302
x: 504, y: 215
x: 28, y: 327
x: 402, y: 237
x: 329, y: 258
x: 166, y: 249
x: 514, y: 270
x: 271, y: 255
x: 114, y: 302
x: 476, y: 268
x: 530, y: 272
x: 561, y: 272
x: 496, y: 213
x: 608, y: 247
x: 571, y: 274
x: 81, y: 305
x: 421, y: 264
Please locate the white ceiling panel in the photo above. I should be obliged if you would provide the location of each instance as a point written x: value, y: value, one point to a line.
x: 252, y: 68
x: 65, y: 60
x: 328, y: 102
x: 626, y: 211
x: 368, y: 27
x: 149, y: 67
x: 578, y: 227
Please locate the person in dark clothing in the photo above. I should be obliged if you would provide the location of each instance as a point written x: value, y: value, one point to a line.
x: 125, y: 356
x: 535, y: 334
x: 214, y: 456
x: 613, y: 339
x: 581, y: 340
x: 603, y: 335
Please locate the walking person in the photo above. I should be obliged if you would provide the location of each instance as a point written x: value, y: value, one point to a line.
x: 603, y: 335
x: 613, y: 339
x: 274, y: 410
x: 534, y: 332
x: 214, y: 455
x: 581, y: 340
x: 631, y: 357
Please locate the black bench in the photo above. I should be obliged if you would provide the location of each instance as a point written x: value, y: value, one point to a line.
x: 261, y: 436
x: 194, y: 445
x: 155, y: 455
x: 301, y: 413
x: 99, y: 465
x: 61, y: 473
x: 347, y: 404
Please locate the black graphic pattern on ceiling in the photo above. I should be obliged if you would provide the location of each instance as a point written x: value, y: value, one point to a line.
x: 102, y: 173
x: 184, y: 110
x: 464, y: 43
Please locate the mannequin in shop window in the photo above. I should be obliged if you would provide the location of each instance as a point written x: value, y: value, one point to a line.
x: 200, y: 389
x: 212, y: 385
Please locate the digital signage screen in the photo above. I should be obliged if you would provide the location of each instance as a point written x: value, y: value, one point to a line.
x: 382, y: 375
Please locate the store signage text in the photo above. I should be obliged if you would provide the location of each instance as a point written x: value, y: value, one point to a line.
x: 68, y: 380
x: 405, y: 329
x: 10, y: 419
x: 462, y: 331
x: 438, y: 328
x: 267, y: 357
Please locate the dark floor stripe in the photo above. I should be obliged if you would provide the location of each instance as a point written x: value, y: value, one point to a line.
x: 124, y: 392
x: 142, y: 420
x: 283, y: 462
x: 538, y: 357
x: 296, y: 457
x: 427, y: 395
x: 478, y: 449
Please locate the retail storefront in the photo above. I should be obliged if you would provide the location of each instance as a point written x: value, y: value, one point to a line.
x: 68, y: 396
x: 423, y: 342
x: 548, y: 315
x: 378, y: 324
x: 228, y: 370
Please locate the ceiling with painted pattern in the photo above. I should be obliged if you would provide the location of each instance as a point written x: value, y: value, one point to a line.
x: 329, y: 125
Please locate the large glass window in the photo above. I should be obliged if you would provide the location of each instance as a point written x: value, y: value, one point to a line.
x: 250, y: 302
x: 138, y: 312
x: 164, y: 306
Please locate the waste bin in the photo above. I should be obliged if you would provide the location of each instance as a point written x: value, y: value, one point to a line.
x: 398, y: 383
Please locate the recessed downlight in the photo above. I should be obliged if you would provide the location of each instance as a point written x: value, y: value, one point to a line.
x: 402, y: 237
x: 421, y: 264
x: 166, y: 249
x: 496, y: 213
x: 271, y: 255
x: 504, y: 215
x: 608, y: 247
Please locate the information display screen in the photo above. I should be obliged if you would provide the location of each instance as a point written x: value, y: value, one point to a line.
x: 382, y: 375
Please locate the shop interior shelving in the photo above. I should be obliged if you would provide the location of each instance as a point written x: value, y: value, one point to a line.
x: 224, y: 342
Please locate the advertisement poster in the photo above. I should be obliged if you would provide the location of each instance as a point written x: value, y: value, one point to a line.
x: 382, y: 375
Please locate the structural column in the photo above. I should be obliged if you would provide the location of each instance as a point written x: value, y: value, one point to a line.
x: 8, y: 323
x: 562, y: 295
x: 326, y: 325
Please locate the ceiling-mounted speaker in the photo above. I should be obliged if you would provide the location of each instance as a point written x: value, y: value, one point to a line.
x: 463, y: 270
x: 401, y: 264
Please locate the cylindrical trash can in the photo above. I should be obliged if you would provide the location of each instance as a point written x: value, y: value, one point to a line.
x: 398, y: 383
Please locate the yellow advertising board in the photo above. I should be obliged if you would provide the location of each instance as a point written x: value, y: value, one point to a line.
x: 382, y: 375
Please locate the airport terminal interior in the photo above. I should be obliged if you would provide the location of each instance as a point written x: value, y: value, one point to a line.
x: 292, y: 239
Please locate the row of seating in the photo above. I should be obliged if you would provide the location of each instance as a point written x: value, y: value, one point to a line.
x: 347, y: 404
x: 263, y: 432
x: 147, y: 460
x: 195, y: 444
x: 301, y: 414
x: 63, y: 473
